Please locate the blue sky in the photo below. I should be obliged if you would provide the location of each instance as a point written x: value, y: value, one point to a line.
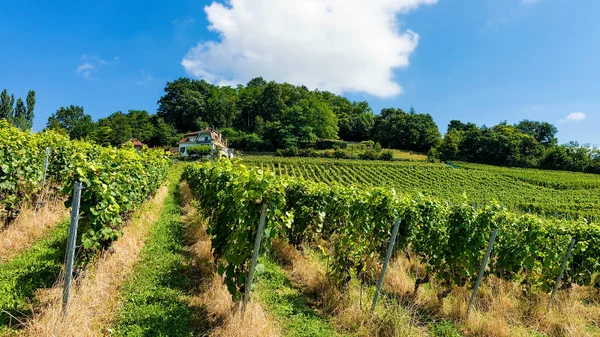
x: 482, y: 61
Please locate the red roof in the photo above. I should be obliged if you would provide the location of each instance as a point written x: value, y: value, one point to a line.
x: 135, y: 142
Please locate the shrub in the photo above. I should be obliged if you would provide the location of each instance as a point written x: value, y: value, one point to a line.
x: 368, y: 155
x: 199, y: 150
x: 386, y: 155
x: 377, y: 147
x: 308, y: 153
x: 291, y: 151
x: 330, y: 144
x: 367, y: 143
x: 339, y: 154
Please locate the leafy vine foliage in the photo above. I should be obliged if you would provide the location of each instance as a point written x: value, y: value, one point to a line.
x: 115, y: 180
x: 449, y: 239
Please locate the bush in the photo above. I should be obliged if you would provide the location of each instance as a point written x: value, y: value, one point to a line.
x: 308, y: 153
x: 386, y: 155
x: 367, y: 144
x: 291, y: 151
x: 368, y: 155
x: 199, y: 150
x: 339, y: 154
x: 247, y: 142
x: 330, y: 144
x: 377, y: 147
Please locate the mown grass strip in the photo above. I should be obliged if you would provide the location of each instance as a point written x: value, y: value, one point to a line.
x: 38, y: 267
x: 288, y: 305
x: 153, y: 301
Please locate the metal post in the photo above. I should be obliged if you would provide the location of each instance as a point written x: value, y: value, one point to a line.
x: 562, y: 272
x: 386, y: 262
x: 255, y: 251
x: 482, y: 269
x: 70, y: 253
x: 45, y: 167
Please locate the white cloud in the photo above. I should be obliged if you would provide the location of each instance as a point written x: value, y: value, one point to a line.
x: 574, y: 117
x: 185, y: 20
x: 86, y: 69
x: 336, y: 45
x: 91, y: 63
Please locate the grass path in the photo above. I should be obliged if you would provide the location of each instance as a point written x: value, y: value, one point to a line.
x: 155, y: 297
x: 288, y: 305
x: 37, y: 267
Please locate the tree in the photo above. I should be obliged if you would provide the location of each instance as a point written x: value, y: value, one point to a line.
x: 6, y: 106
x: 120, y: 125
x: 543, y: 132
x: 30, y: 106
x: 396, y: 129
x: 73, y: 120
x: 184, y: 104
x: 19, y: 115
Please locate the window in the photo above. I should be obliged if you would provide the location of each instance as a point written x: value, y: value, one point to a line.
x: 182, y: 149
x: 206, y: 138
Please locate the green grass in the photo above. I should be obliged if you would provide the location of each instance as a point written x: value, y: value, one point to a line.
x: 288, y: 305
x: 554, y: 193
x: 38, y: 267
x: 154, y: 296
x: 443, y: 329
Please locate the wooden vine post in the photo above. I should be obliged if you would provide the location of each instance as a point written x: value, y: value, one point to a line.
x: 255, y: 251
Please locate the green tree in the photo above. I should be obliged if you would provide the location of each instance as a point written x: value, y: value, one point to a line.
x: 19, y: 116
x: 30, y: 106
x: 543, y: 132
x: 73, y: 120
x: 6, y: 106
x: 120, y: 125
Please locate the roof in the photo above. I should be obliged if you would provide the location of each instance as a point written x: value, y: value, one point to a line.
x: 215, y: 136
x: 135, y: 142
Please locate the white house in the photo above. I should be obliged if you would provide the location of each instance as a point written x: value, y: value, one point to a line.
x: 208, y: 136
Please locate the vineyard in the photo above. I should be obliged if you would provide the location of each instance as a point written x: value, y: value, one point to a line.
x: 450, y: 239
x: 115, y: 182
x: 557, y: 194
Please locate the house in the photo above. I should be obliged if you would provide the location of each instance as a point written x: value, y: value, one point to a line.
x: 208, y: 136
x: 136, y: 144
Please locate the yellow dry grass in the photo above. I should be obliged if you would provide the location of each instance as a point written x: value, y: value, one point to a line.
x: 94, y: 300
x: 348, y: 309
x: 501, y: 309
x: 223, y: 314
x: 28, y: 228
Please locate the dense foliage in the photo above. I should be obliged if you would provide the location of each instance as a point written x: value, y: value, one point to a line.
x: 546, y: 193
x: 450, y: 239
x: 268, y: 115
x: 19, y: 114
x: 115, y: 180
x: 526, y: 144
x: 115, y: 129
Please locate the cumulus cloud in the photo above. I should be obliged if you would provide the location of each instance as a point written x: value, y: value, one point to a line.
x: 336, y: 45
x: 574, y: 117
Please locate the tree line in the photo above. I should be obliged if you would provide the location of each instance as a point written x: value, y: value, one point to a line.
x: 19, y: 113
x: 268, y: 116
x: 115, y: 129
x: 529, y: 144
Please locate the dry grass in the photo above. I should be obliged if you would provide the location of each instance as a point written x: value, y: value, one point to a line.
x: 349, y: 309
x: 223, y: 314
x: 501, y: 309
x: 28, y: 228
x: 95, y: 298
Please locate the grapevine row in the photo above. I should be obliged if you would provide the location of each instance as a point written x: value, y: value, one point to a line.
x: 449, y: 239
x: 115, y: 180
